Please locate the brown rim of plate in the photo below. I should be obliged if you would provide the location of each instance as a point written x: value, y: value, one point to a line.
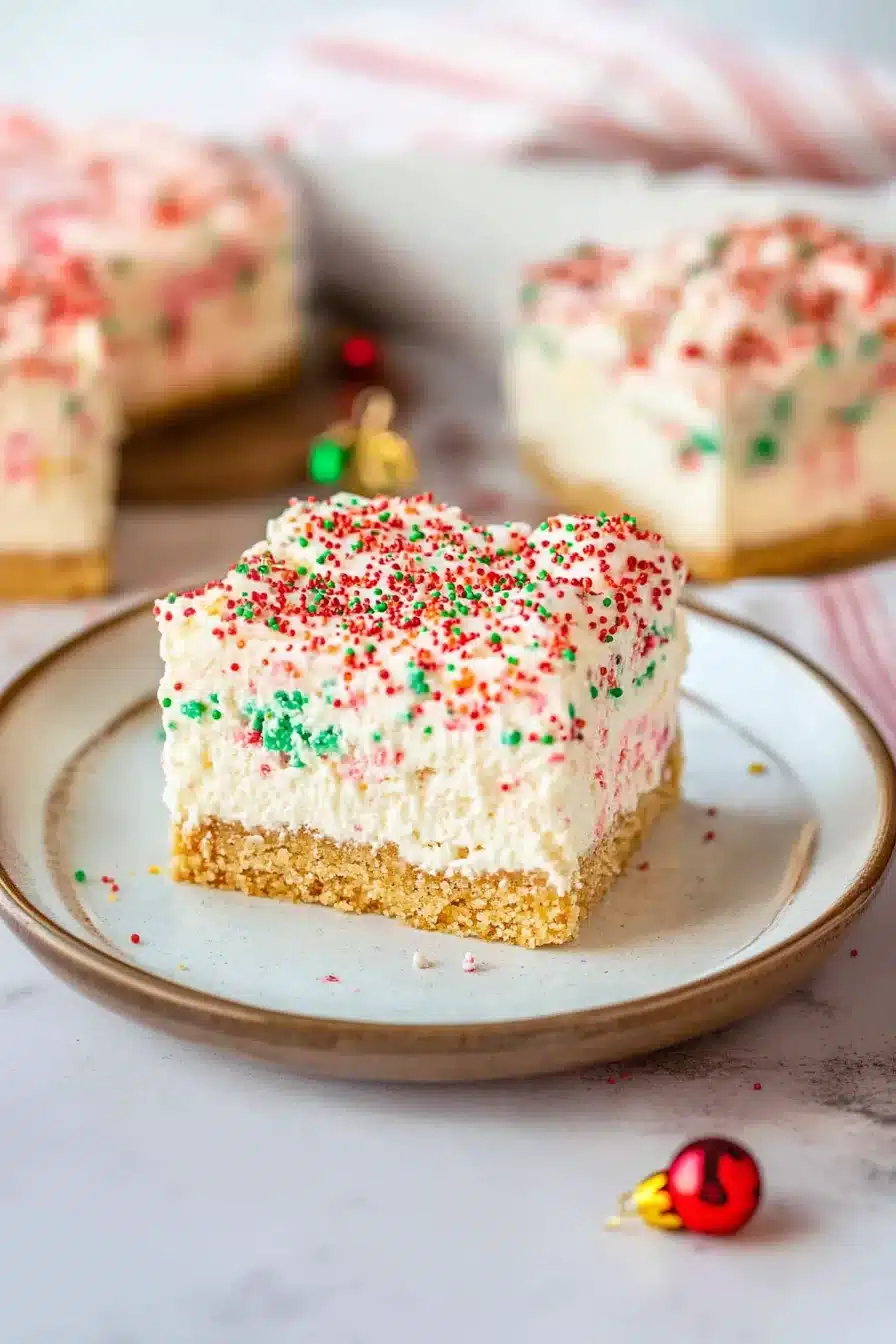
x: 118, y: 983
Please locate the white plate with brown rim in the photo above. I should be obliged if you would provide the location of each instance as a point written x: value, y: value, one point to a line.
x: 785, y: 830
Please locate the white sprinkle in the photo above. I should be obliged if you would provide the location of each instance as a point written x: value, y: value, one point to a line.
x: 421, y: 961
x: 469, y: 962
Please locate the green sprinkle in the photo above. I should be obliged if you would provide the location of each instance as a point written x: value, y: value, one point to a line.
x: 764, y: 448
x: 615, y: 691
x: 166, y: 702
x: 826, y: 355
x: 571, y: 710
x: 377, y: 737
x: 529, y: 294
x: 494, y: 638
x: 216, y: 713
x: 782, y: 407
x: 80, y: 875
x: 858, y: 412
x: 327, y: 741
x: 514, y: 662
x: 717, y: 246
x: 569, y: 655
x: 547, y: 739
x: 513, y: 738
x: 193, y: 709
x: 703, y: 443
x: 427, y: 730
x: 608, y: 601
x: 593, y: 692
x: 214, y: 697
x: 869, y: 344
x: 417, y: 682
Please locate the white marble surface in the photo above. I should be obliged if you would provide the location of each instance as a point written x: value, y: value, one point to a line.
x: 151, y: 1193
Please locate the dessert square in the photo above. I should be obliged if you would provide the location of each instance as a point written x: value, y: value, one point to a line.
x: 60, y: 424
x: 192, y: 245
x: 736, y: 391
x: 386, y: 708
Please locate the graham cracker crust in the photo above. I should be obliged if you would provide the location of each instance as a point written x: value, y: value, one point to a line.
x: 840, y: 546
x: 34, y: 577
x: 508, y: 907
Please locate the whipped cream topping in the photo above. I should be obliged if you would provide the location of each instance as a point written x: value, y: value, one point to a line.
x: 757, y: 299
x: 483, y: 698
x: 189, y: 244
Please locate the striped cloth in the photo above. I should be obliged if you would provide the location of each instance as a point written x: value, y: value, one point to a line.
x: 597, y: 80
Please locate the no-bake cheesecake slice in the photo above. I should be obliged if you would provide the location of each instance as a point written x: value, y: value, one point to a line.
x: 60, y: 424
x: 736, y: 390
x: 386, y: 708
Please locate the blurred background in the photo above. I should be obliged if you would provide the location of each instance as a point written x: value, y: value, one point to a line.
x: 198, y: 62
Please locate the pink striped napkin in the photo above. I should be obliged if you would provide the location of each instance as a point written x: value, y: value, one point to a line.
x: 600, y: 80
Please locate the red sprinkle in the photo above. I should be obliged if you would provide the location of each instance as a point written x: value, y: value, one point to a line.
x: 135, y: 937
x: 710, y: 835
x: 757, y: 1087
x: 642, y: 867
x: 854, y: 952
x: 330, y: 980
x: 712, y: 811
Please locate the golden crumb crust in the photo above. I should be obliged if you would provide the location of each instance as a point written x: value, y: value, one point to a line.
x: 507, y: 907
x: 28, y: 577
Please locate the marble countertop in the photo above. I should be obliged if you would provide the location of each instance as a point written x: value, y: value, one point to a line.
x: 154, y: 1193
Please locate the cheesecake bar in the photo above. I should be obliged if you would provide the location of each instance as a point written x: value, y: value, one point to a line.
x: 385, y: 708
x: 60, y: 424
x: 736, y: 390
x: 193, y: 247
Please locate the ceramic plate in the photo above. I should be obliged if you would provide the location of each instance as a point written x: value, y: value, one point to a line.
x: 719, y: 915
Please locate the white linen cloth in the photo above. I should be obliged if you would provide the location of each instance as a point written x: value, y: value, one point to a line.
x: 581, y: 78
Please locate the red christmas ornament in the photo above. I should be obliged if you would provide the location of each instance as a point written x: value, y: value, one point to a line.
x: 712, y: 1186
x: 360, y: 353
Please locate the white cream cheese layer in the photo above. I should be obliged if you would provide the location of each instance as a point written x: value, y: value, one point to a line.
x: 60, y: 423
x: 504, y: 731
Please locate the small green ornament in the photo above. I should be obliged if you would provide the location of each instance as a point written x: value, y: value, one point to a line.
x: 328, y: 460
